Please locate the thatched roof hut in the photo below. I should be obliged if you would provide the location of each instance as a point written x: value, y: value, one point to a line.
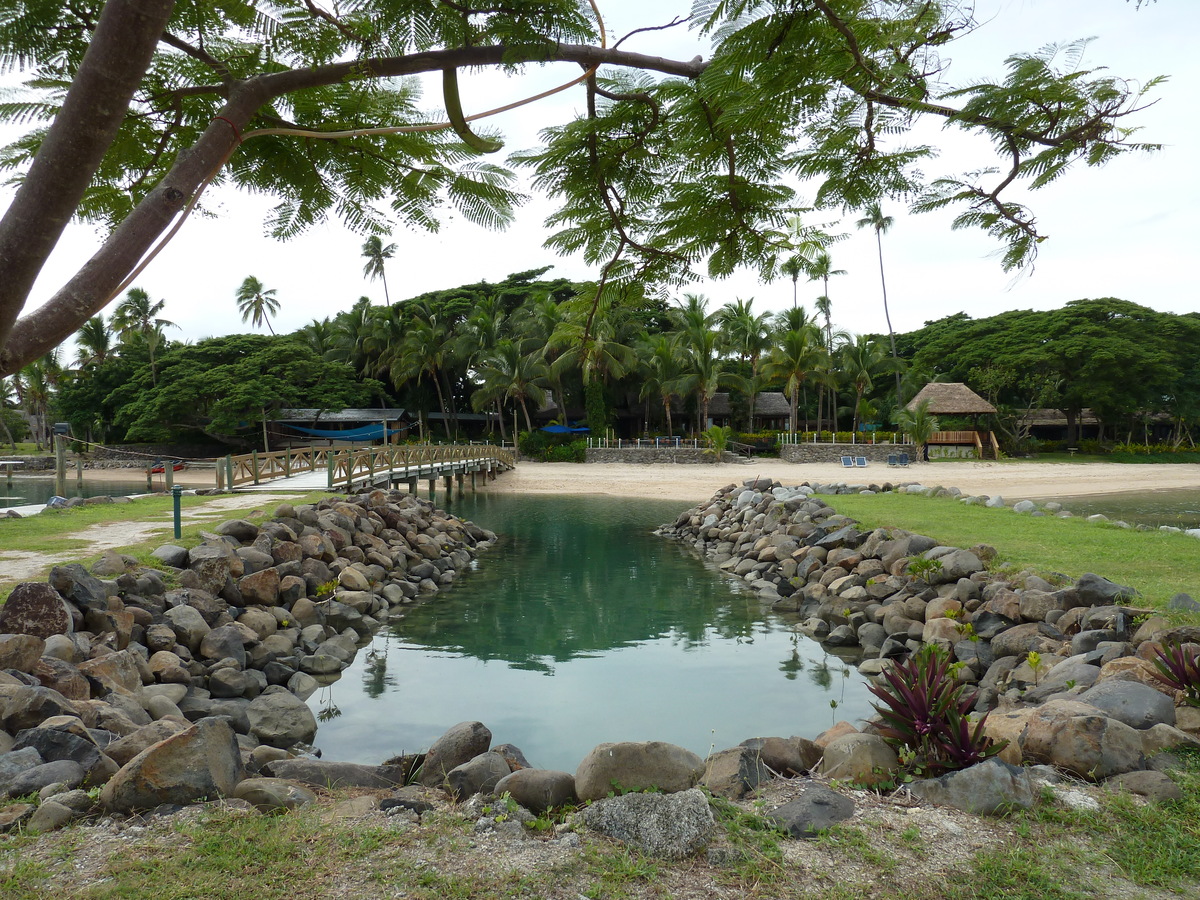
x: 953, y: 399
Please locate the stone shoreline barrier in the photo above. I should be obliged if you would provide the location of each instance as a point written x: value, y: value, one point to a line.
x: 165, y: 697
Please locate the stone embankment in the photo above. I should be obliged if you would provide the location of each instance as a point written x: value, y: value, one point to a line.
x: 1062, y: 671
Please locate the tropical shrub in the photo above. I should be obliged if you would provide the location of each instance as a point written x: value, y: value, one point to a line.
x: 547, y: 447
x: 1179, y: 668
x: 926, y: 715
x: 717, y: 439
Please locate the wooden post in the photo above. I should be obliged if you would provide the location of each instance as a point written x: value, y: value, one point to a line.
x: 474, y: 486
x: 254, y: 461
x: 149, y: 478
x: 228, y: 472
x: 220, y: 470
x: 78, y: 475
x: 329, y: 466
x: 449, y: 486
x: 412, y: 485
x: 432, y: 485
x: 169, y: 473
x: 458, y: 476
x: 60, y: 465
x: 287, y: 462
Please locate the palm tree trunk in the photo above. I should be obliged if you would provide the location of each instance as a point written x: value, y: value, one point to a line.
x: 795, y: 398
x: 525, y: 410
x: 442, y: 405
x: 888, y: 316
x: 667, y: 410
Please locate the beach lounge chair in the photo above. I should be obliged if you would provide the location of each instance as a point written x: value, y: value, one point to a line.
x: 893, y: 460
x: 848, y: 462
x: 904, y: 459
x: 860, y: 461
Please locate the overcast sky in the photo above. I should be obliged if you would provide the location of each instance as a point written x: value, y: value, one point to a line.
x: 1125, y: 230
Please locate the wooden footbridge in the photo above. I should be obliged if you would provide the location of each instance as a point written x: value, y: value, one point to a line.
x: 353, y: 469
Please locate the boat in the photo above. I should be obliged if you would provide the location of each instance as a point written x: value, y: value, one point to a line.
x: 160, y: 467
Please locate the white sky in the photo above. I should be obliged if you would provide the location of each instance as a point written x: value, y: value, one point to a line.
x: 1126, y: 230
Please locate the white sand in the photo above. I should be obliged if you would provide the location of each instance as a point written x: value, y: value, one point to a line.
x: 696, y: 482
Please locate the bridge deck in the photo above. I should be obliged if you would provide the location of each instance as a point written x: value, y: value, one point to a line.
x: 318, y: 480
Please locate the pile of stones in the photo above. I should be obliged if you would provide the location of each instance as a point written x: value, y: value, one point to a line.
x: 162, y: 695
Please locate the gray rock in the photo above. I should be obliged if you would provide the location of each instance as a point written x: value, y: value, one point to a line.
x: 988, y: 788
x: 281, y: 719
x: 189, y: 625
x: 303, y: 685
x: 15, y: 816
x: 201, y: 762
x: 79, y: 586
x: 64, y: 772
x: 637, y: 766
x: 816, y: 809
x: 50, y: 816
x: 672, y: 826
x: 273, y: 795
x: 461, y: 743
x: 865, y: 759
x: 24, y: 707
x: 1146, y: 783
x: 735, y: 772
x: 1136, y: 704
x: 1096, y: 591
x: 21, y: 651
x: 124, y: 749
x: 53, y: 744
x: 538, y: 789
x: 1184, y: 602
x: 477, y: 776
x: 171, y: 555
x: 14, y: 763
x: 224, y: 642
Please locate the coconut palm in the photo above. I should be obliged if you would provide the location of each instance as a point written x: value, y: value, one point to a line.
x: 376, y: 254
x: 749, y: 336
x: 93, y: 342
x: 920, y: 424
x: 881, y: 223
x: 7, y: 397
x: 792, y: 360
x: 660, y: 366
x: 256, y: 303
x: 516, y: 375
x: 136, y: 315
x: 319, y: 335
x: 862, y: 361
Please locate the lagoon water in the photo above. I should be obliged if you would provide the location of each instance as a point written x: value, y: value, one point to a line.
x: 28, y: 490
x: 1180, y: 508
x: 582, y: 627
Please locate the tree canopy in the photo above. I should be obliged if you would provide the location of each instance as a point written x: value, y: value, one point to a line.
x: 673, y: 166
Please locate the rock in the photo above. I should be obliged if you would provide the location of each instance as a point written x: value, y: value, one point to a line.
x: 1096, y: 591
x: 1155, y: 786
x: 65, y: 772
x: 24, y: 707
x: 124, y: 749
x: 261, y: 587
x: 671, y: 826
x: 239, y: 529
x: 864, y: 759
x: 476, y: 776
x: 1158, y: 738
x: 326, y: 775
x: 200, y: 762
x: 171, y: 555
x: 274, y: 795
x: 1088, y: 745
x: 538, y: 789
x: 14, y: 763
x: 214, y: 562
x: 62, y: 677
x: 1184, y: 602
x: 988, y: 788
x: 1135, y: 704
x: 735, y: 772
x: 115, y: 671
x: 55, y: 745
x: 20, y: 651
x: 15, y: 815
x: 816, y: 809
x: 36, y: 609
x: 1023, y: 639
x: 637, y: 766
x: 281, y: 719
x: 50, y: 816
x: 461, y: 743
x: 224, y: 642
x: 189, y: 625
x: 786, y: 756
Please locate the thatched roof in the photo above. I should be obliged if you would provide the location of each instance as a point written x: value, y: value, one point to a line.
x: 768, y: 404
x: 954, y: 399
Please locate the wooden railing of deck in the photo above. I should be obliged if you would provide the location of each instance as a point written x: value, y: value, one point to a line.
x: 345, y: 466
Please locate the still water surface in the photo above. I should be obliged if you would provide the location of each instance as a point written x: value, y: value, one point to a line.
x: 582, y: 627
x: 1180, y: 508
x: 27, y: 490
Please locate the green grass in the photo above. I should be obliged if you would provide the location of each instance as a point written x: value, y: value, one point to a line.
x: 1158, y: 564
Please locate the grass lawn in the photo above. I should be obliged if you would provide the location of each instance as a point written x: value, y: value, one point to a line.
x: 1158, y: 564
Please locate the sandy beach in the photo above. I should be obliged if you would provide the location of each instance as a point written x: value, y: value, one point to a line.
x: 693, y: 483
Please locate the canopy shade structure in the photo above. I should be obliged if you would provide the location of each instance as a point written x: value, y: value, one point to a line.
x: 363, y: 433
x: 951, y: 399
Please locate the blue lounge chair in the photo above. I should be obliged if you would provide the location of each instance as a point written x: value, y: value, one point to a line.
x: 893, y: 460
x: 848, y: 462
x: 904, y: 459
x: 860, y: 461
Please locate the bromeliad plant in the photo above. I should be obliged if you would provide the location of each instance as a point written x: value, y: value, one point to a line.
x: 926, y: 715
x: 1179, y: 668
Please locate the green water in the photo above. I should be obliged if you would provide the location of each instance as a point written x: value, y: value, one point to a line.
x: 582, y: 627
x: 1180, y: 508
x: 27, y: 490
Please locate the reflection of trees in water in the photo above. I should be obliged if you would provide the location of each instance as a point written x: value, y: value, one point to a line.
x: 376, y: 679
x: 794, y: 664
x: 329, y: 710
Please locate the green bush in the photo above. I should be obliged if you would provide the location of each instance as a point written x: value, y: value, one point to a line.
x: 547, y: 447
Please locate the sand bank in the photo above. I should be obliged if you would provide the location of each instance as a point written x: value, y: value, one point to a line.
x: 693, y: 483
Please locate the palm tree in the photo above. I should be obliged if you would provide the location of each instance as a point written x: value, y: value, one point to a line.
x: 660, y: 368
x: 34, y: 386
x: 136, y: 315
x: 792, y: 360
x: 861, y: 361
x: 319, y: 335
x: 920, y: 425
x: 376, y: 254
x: 703, y: 372
x: 749, y: 336
x: 7, y: 396
x: 94, y: 342
x: 881, y: 223
x: 256, y: 303
x: 517, y: 376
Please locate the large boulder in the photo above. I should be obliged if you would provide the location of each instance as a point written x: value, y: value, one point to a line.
x: 24, y: 707
x: 637, y: 766
x: 816, y: 809
x: 1062, y: 733
x: 735, y: 772
x: 201, y: 762
x: 35, y: 608
x: 461, y: 743
x: 20, y: 651
x: 538, y: 789
x: 79, y: 586
x: 865, y: 759
x: 1135, y: 704
x: 672, y: 826
x: 986, y: 789
x: 124, y: 749
x: 477, y: 776
x: 281, y: 719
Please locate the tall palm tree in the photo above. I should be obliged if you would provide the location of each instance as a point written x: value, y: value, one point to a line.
x: 749, y: 336
x: 93, y: 342
x: 319, y: 336
x: 792, y: 360
x: 256, y: 303
x: 862, y: 360
x: 376, y: 254
x: 35, y: 386
x: 7, y: 397
x: 136, y: 315
x: 881, y: 223
x: 660, y: 367
x: 517, y: 376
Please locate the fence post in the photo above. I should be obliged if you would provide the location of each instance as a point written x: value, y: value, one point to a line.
x: 287, y: 462
x: 229, y: 471
x: 254, y: 464
x: 329, y: 469
x: 60, y: 465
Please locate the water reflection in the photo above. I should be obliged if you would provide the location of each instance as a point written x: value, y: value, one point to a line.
x: 582, y: 627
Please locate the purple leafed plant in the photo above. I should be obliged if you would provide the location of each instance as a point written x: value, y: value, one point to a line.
x: 927, y: 713
x: 1179, y: 668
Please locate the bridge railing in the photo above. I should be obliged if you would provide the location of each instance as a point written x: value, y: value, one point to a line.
x: 346, y: 466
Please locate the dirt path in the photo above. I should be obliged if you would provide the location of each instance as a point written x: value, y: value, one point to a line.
x: 19, y: 565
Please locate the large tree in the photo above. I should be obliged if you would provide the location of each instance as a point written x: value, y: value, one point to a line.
x: 673, y: 163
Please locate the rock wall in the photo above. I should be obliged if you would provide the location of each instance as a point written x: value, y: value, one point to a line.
x: 876, y: 453
x: 654, y: 455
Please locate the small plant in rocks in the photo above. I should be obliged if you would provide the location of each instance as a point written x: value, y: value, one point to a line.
x: 925, y: 715
x: 1179, y: 668
x: 922, y: 569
